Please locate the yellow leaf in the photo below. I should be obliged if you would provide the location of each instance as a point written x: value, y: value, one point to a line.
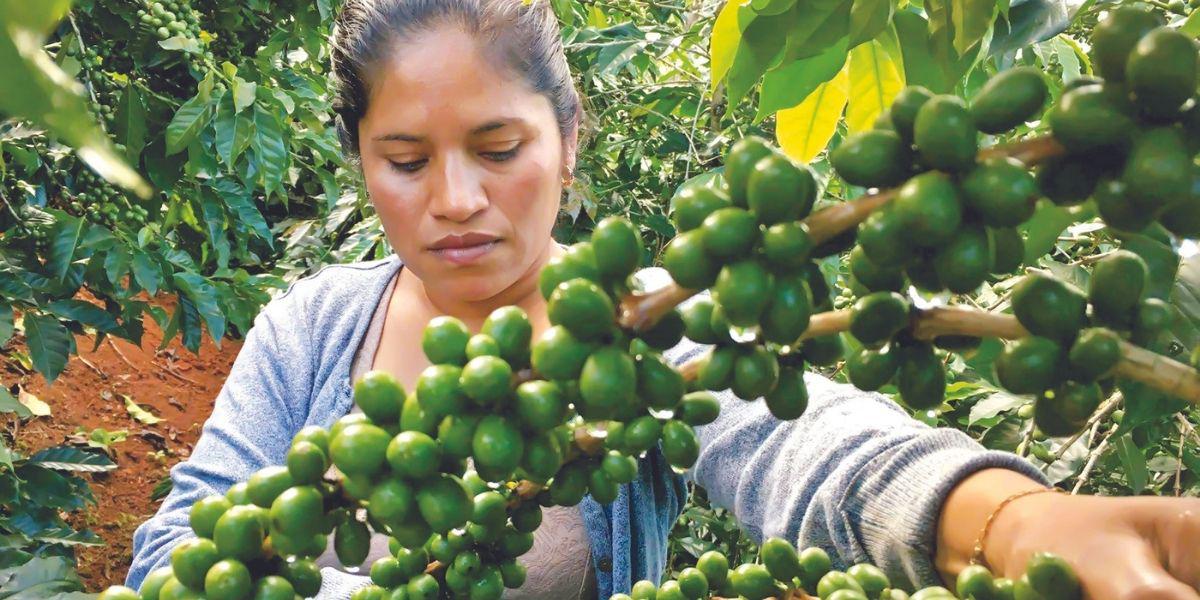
x: 874, y: 82
x: 804, y: 130
x: 726, y: 35
x: 33, y: 403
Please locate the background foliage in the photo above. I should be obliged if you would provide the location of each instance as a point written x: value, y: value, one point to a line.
x: 215, y: 126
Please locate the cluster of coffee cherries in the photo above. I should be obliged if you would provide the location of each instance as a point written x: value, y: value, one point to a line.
x: 1076, y: 338
x: 1131, y: 133
x: 101, y: 202
x: 785, y: 573
x: 742, y: 236
x: 456, y: 473
x: 169, y: 18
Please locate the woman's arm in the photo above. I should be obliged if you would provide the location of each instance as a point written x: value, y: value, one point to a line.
x: 855, y: 475
x: 262, y: 404
x: 1135, y: 547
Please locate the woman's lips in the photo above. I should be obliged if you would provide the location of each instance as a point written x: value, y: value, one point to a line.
x: 464, y: 255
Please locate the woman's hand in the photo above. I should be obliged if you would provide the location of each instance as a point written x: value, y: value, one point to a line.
x: 1121, y: 548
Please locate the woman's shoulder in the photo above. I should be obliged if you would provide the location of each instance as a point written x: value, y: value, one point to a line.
x: 335, y: 293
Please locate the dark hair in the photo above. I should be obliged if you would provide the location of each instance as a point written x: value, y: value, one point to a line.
x: 525, y: 32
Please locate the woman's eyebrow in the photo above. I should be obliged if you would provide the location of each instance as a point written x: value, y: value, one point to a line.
x: 496, y: 124
x: 485, y: 128
x: 397, y: 137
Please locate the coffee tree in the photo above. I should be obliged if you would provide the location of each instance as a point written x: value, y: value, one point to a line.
x: 501, y: 424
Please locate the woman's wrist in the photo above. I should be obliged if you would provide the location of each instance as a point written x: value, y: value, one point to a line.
x: 986, y: 494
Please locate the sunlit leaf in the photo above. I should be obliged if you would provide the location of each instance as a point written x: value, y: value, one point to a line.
x: 791, y: 82
x: 874, y: 82
x: 32, y: 403
x: 805, y: 130
x: 139, y: 414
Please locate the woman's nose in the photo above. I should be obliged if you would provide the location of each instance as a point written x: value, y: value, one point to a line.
x: 460, y: 195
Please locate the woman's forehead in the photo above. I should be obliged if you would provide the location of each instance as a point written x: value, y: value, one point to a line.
x: 445, y: 75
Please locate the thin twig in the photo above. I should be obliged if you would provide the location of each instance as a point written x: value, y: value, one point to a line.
x: 122, y: 354
x: 1179, y: 461
x: 82, y: 50
x: 1105, y: 409
x: 1023, y: 448
x: 87, y: 362
x: 171, y: 370
x: 1091, y: 462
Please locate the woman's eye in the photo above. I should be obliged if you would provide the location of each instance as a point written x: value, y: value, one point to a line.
x: 501, y: 156
x: 407, y: 167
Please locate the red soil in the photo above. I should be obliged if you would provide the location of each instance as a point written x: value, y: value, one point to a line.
x: 173, y: 384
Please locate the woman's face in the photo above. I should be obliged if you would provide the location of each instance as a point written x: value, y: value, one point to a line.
x: 464, y: 165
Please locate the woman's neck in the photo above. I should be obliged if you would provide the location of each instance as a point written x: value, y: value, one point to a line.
x: 523, y: 293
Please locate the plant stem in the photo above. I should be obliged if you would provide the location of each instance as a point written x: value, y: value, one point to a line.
x: 1136, y: 363
x: 1105, y: 409
x: 639, y: 311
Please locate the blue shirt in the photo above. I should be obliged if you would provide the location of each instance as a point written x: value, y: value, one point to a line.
x: 855, y: 475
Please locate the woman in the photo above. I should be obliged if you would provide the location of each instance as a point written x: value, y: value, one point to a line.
x: 464, y: 120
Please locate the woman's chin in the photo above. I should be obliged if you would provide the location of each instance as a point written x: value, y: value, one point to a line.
x: 471, y: 287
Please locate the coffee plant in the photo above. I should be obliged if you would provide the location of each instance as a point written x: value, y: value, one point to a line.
x: 224, y: 109
x: 544, y: 422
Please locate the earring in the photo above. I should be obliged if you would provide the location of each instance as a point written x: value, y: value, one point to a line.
x: 569, y: 178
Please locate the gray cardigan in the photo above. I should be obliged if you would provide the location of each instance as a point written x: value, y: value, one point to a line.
x: 855, y: 474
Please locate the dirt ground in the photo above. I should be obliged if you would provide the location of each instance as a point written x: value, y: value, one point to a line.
x: 173, y: 384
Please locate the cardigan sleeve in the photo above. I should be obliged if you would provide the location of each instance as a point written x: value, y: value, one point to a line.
x: 260, y: 407
x: 854, y: 475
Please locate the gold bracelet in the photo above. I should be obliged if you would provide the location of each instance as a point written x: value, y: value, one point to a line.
x: 978, y: 557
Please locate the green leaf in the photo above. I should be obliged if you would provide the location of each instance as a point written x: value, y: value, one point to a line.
x: 762, y: 41
x: 49, y: 344
x: 1133, y: 462
x: 38, y: 90
x: 67, y: 458
x: 204, y: 298
x: 1043, y: 228
x: 1185, y: 297
x: 40, y: 577
x: 181, y: 42
x: 1191, y: 26
x: 993, y: 405
x: 67, y: 233
x: 270, y: 147
x: 85, y: 312
x: 972, y: 20
x: 131, y: 122
x: 8, y: 404
x: 234, y: 132
x: 726, y: 35
x: 214, y: 220
x: 246, y: 214
x: 116, y: 264
x: 788, y: 84
x: 868, y: 18
x: 874, y: 82
x: 6, y: 322
x: 1027, y: 23
x: 37, y: 17
x: 190, y: 324
x: 140, y: 414
x: 243, y: 93
x: 146, y: 272
x: 804, y: 131
x: 920, y: 67
x: 192, y: 117
x: 1162, y: 260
